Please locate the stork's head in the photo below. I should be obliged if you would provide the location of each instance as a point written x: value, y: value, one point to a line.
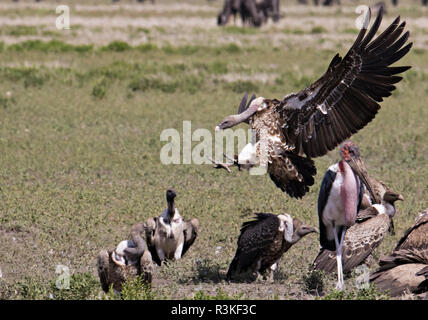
x: 170, y: 195
x: 351, y: 155
x: 244, y: 112
x: 348, y: 151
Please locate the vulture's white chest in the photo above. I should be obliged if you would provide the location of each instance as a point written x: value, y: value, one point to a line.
x: 248, y: 154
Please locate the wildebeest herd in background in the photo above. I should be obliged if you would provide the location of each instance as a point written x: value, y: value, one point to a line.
x: 355, y: 210
x: 257, y: 12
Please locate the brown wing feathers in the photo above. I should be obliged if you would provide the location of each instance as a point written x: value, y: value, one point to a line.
x: 346, y: 98
x: 360, y: 241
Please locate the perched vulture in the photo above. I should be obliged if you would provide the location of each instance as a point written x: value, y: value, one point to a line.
x: 406, y: 269
x: 308, y: 124
x: 378, y: 189
x: 130, y: 258
x: 168, y: 236
x: 263, y: 241
x: 361, y: 238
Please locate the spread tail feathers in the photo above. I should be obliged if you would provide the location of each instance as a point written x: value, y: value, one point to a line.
x: 292, y: 174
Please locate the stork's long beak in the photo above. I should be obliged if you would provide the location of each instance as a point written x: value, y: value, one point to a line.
x: 358, y: 166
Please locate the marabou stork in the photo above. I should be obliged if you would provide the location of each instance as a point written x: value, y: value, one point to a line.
x: 338, y: 201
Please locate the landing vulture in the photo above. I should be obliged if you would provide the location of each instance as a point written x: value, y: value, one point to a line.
x: 308, y: 124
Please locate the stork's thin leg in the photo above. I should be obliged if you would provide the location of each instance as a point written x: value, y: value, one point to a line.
x: 339, y: 244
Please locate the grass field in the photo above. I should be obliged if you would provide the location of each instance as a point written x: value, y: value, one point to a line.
x: 82, y: 110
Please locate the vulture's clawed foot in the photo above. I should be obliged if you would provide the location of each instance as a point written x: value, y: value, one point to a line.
x: 226, y: 166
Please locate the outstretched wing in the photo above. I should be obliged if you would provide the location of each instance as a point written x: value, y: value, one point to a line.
x: 346, y: 97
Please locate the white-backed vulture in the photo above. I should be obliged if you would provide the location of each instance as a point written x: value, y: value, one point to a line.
x: 168, y: 236
x: 129, y: 259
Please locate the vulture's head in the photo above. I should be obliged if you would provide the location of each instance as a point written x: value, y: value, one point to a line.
x: 301, y: 230
x: 388, y: 201
x: 391, y: 196
x: 170, y: 195
x: 351, y: 155
x: 245, y: 112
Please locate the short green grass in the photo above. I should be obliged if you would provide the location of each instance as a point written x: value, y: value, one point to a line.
x: 79, y: 157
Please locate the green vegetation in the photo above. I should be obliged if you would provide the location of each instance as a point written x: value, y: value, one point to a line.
x: 81, y: 116
x: 220, y: 295
x: 318, y: 29
x: 369, y: 293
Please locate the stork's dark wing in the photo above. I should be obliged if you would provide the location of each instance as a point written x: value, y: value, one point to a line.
x: 326, y: 184
x: 255, y: 238
x: 346, y: 97
x: 360, y: 241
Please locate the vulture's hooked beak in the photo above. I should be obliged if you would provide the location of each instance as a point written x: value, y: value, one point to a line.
x: 244, y: 116
x: 314, y: 229
x: 358, y: 166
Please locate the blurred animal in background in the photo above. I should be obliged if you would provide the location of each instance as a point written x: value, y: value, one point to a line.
x: 129, y: 259
x: 378, y: 6
x: 141, y: 1
x: 406, y: 268
x: 329, y: 2
x: 168, y: 236
x: 263, y: 241
x: 252, y: 12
